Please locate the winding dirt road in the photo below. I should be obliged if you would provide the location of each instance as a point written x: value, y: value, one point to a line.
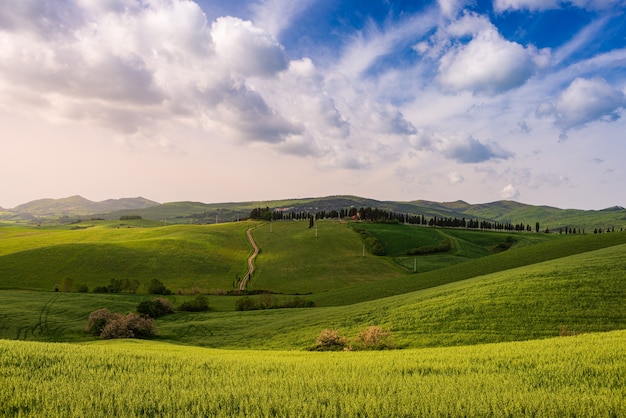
x: 244, y: 281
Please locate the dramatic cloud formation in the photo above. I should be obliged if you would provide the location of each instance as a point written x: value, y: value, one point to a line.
x: 386, y: 100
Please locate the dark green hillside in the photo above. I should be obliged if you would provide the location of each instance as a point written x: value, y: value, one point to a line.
x: 297, y: 259
x: 436, y: 273
x: 204, y: 257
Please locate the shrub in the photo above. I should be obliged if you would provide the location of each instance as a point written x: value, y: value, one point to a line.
x: 299, y: 302
x: 83, y: 288
x: 116, y: 327
x: 267, y: 301
x: 97, y: 321
x: 198, y: 304
x: 101, y: 289
x: 155, y: 308
x: 156, y: 287
x: 138, y: 326
x: 246, y: 304
x: 330, y: 340
x: 108, y: 325
x: 374, y: 338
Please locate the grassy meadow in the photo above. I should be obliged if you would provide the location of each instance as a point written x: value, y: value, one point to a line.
x: 569, y: 376
x: 94, y: 252
x: 476, y: 327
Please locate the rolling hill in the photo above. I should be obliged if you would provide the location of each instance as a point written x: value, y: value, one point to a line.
x: 79, y: 206
x: 75, y: 208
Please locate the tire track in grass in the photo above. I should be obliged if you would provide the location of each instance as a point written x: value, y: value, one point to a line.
x: 244, y: 281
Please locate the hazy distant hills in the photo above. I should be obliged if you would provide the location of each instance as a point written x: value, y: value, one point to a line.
x: 197, y: 212
x: 79, y: 206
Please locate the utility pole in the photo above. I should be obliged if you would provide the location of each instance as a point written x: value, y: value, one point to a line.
x: 415, y: 265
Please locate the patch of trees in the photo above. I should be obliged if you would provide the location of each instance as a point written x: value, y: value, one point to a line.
x: 108, y: 325
x: 68, y: 285
x: 443, y: 247
x: 370, y: 214
x: 372, y: 243
x: 269, y: 301
x: 130, y: 217
x: 155, y: 308
x: 156, y: 287
x: 119, y: 286
x: 198, y: 304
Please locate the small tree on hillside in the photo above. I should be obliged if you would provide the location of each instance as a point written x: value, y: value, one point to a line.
x: 156, y: 287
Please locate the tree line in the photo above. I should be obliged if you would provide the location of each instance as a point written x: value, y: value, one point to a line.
x: 384, y: 216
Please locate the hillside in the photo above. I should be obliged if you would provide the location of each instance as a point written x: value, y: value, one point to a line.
x: 501, y: 211
x: 78, y: 205
x: 584, y: 292
x: 551, y: 218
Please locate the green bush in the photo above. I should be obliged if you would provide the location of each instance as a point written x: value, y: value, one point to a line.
x: 372, y: 243
x: 156, y: 287
x: 246, y: 304
x: 155, y: 308
x: 198, y: 304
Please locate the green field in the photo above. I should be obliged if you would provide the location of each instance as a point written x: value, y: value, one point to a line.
x: 476, y: 326
x: 94, y: 252
x: 570, y: 376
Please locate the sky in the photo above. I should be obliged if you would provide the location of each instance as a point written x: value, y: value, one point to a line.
x: 233, y: 100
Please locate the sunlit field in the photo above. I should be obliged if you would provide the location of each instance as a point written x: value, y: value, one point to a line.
x: 567, y: 376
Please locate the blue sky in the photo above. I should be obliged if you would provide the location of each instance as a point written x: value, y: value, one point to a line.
x: 239, y: 100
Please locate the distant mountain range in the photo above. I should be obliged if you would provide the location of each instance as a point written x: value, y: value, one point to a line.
x: 77, y: 207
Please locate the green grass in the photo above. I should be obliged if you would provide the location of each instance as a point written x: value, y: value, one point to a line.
x: 181, y: 256
x: 477, y: 335
x: 572, y: 376
x: 447, y: 268
x: 297, y: 259
x: 586, y: 292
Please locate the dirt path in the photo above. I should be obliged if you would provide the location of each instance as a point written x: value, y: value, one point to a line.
x: 245, y: 279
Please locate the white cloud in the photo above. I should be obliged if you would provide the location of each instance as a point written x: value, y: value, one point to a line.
x: 469, y: 24
x: 455, y: 178
x: 460, y: 147
x: 502, y: 5
x: 451, y: 8
x: 276, y: 15
x: 509, y: 192
x: 587, y: 100
x: 245, y: 49
x: 488, y: 63
x: 537, y: 5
